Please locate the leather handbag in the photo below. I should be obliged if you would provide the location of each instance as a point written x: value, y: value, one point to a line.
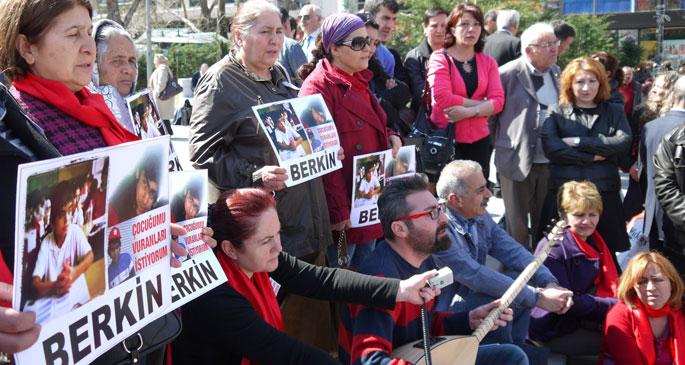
x: 171, y: 89
x: 149, y: 340
x: 437, y: 146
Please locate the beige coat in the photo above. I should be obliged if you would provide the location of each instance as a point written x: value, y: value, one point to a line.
x: 158, y: 80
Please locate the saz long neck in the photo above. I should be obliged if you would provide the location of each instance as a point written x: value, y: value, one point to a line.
x: 520, y: 282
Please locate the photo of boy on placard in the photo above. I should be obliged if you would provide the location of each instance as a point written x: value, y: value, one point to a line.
x: 285, y: 131
x: 370, y: 180
x: 63, y: 253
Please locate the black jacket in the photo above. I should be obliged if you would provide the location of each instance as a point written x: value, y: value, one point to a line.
x: 16, y: 129
x: 502, y: 46
x: 415, y: 64
x: 669, y: 184
x: 221, y: 326
x: 606, y: 134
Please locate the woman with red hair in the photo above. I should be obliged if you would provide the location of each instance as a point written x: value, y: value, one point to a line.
x: 647, y: 326
x: 241, y: 323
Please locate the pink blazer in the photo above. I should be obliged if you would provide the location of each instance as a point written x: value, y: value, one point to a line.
x: 447, y: 92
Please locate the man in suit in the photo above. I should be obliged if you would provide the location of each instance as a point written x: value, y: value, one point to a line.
x: 503, y: 45
x: 530, y: 86
x: 310, y: 23
x: 652, y: 134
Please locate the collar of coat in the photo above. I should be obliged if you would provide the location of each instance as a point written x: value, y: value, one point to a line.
x: 333, y: 77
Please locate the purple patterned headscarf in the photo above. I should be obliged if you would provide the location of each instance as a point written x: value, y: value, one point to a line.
x: 338, y: 26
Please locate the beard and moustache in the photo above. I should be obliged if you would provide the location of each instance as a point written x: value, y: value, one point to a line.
x: 429, y: 244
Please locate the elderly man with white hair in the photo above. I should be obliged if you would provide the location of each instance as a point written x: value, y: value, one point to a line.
x: 475, y: 235
x: 310, y: 23
x: 530, y: 87
x: 503, y: 45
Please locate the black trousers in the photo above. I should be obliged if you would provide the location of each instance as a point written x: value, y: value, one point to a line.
x: 478, y: 151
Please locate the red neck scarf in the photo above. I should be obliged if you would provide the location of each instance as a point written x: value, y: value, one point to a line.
x: 258, y: 291
x: 5, y: 278
x: 645, y: 337
x: 607, y: 278
x: 358, y: 80
x: 84, y: 106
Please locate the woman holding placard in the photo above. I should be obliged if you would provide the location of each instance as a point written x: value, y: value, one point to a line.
x: 342, y: 78
x: 225, y: 136
x: 240, y: 322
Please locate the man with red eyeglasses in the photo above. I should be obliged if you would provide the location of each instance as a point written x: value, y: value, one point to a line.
x: 415, y: 227
x: 474, y: 236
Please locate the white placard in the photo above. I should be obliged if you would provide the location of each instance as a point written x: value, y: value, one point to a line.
x: 371, y: 172
x: 303, y: 136
x: 200, y: 271
x: 76, y: 217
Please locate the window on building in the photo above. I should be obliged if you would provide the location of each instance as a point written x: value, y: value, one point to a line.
x: 595, y: 6
x: 650, y: 5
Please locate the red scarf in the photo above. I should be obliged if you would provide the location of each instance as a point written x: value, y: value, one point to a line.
x: 607, y: 277
x: 5, y: 278
x: 358, y: 80
x: 645, y: 337
x: 84, y: 106
x: 258, y: 291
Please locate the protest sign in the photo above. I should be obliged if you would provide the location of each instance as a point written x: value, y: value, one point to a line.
x: 200, y: 271
x: 302, y: 135
x: 372, y: 172
x: 92, y: 248
x: 148, y: 124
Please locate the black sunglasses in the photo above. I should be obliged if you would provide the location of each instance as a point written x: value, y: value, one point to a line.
x: 356, y: 43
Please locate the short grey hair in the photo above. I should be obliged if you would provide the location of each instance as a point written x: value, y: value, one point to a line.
x: 104, y: 31
x: 453, y: 176
x: 247, y: 14
x: 535, y: 32
x: 508, y: 19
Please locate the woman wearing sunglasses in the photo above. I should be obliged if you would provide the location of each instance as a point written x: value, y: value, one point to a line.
x: 465, y: 85
x: 342, y: 79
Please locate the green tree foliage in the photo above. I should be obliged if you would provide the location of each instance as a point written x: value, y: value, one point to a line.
x: 409, y: 28
x: 184, y: 59
x: 593, y: 32
x: 592, y: 35
x: 630, y: 54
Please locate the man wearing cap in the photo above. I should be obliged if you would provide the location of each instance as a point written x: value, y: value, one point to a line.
x: 121, y: 267
x: 310, y: 21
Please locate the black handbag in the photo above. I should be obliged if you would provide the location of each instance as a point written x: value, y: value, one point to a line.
x: 437, y: 146
x: 149, y: 342
x: 171, y: 89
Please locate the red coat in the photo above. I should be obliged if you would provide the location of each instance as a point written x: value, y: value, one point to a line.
x: 620, y: 340
x: 362, y: 129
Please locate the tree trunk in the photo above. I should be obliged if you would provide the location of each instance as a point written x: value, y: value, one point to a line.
x: 130, y: 12
x: 113, y: 11
x: 204, y: 10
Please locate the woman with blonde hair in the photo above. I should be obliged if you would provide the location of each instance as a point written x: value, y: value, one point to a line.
x: 583, y: 137
x: 647, y: 326
x: 582, y: 263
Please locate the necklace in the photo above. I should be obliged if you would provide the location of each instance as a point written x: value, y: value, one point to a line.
x: 465, y: 65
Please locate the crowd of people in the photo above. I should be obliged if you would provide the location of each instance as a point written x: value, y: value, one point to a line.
x: 561, y: 140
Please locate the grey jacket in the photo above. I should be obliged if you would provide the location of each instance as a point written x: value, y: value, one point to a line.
x: 515, y: 128
x: 225, y: 139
